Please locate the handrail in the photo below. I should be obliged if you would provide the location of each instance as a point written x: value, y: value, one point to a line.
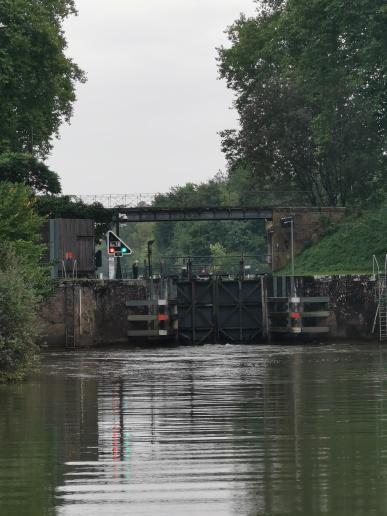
x: 75, y: 269
x: 381, y: 293
x: 376, y: 263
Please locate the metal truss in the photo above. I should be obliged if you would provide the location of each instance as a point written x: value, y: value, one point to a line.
x: 119, y: 200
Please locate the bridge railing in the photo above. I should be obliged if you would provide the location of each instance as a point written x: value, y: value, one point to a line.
x: 135, y: 200
x: 204, y: 266
x: 119, y: 200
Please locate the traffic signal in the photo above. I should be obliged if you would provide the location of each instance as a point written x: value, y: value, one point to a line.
x: 116, y: 246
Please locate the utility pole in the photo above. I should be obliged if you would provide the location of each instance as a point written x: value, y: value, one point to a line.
x: 286, y: 221
x: 150, y: 272
x: 118, y: 268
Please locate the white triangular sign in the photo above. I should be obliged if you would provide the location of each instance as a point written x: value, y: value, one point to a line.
x: 117, y: 247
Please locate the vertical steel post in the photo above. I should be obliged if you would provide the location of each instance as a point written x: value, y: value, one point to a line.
x: 118, y: 268
x: 193, y: 301
x: 292, y: 247
x: 150, y: 243
x: 240, y: 301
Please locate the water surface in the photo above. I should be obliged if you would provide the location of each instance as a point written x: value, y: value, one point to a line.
x: 210, y: 430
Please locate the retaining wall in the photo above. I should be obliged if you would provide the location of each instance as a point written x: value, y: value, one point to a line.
x: 100, y: 313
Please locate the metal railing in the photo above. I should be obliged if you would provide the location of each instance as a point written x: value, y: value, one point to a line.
x: 134, y: 200
x: 118, y: 200
x: 381, y: 297
x: 186, y: 267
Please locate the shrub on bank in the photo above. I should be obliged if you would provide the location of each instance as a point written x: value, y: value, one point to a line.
x: 19, y: 299
x: 23, y: 280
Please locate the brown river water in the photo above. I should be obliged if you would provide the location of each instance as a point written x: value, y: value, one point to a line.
x: 210, y: 430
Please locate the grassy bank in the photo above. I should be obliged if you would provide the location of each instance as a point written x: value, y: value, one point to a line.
x: 347, y: 248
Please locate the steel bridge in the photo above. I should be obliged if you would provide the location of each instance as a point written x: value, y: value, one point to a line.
x: 135, y: 200
x: 118, y: 200
x: 150, y: 214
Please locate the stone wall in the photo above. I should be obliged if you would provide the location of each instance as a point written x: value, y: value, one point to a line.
x: 353, y: 303
x: 310, y: 225
x: 94, y: 311
x: 99, y: 313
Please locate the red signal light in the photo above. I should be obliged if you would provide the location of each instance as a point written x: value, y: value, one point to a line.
x: 112, y: 250
x: 295, y: 315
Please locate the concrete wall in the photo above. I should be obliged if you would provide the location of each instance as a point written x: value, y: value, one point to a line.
x: 100, y: 314
x: 309, y: 226
x: 95, y: 311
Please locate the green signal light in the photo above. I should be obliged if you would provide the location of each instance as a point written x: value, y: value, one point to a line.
x: 124, y: 250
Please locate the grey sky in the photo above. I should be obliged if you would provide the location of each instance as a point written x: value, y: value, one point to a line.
x: 149, y: 115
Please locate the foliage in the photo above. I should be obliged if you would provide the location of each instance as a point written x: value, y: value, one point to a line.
x: 68, y: 207
x: 18, y: 325
x: 137, y: 235
x: 219, y: 258
x: 22, y: 279
x: 188, y: 239
x: 310, y: 83
x: 19, y: 221
x: 25, y: 168
x: 37, y: 79
x: 348, y: 248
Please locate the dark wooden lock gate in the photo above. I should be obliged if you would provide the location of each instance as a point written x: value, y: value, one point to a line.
x: 215, y: 310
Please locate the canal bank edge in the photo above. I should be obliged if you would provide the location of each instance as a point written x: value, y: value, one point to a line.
x: 92, y: 313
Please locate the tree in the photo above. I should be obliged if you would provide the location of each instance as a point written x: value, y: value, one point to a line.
x: 187, y: 239
x: 23, y: 279
x: 37, y: 79
x: 310, y: 83
x: 19, y: 221
x: 25, y: 168
x: 68, y: 207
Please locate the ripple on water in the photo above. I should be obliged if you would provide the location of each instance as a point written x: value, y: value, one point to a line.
x: 212, y: 430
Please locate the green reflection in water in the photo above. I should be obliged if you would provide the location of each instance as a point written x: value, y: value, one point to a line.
x: 214, y: 430
x: 321, y: 443
x: 42, y: 425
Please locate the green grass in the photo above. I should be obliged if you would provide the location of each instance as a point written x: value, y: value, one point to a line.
x: 348, y: 249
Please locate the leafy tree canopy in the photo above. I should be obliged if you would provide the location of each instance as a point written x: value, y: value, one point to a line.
x: 25, y: 168
x: 195, y: 239
x: 37, y: 79
x: 20, y: 232
x: 68, y: 207
x: 310, y: 83
x: 19, y: 221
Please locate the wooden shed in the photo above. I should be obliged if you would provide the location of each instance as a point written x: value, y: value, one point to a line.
x: 71, y: 245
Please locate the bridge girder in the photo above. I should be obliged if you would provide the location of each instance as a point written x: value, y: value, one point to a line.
x: 153, y: 214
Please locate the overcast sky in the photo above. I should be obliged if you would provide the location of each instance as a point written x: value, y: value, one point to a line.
x: 148, y: 117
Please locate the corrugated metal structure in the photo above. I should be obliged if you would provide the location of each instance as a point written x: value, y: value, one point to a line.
x: 72, y: 247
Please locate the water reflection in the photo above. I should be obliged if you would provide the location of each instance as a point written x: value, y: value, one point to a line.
x: 214, y: 430
x: 43, y: 424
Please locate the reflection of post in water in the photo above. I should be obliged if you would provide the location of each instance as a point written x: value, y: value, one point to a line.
x: 121, y: 410
x: 297, y: 396
x: 284, y: 448
x: 153, y: 425
x: 121, y: 438
x: 191, y: 393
